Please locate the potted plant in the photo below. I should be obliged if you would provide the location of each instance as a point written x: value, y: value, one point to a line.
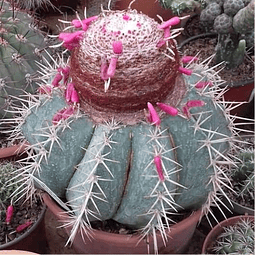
x: 231, y: 236
x: 22, y: 46
x: 242, y: 178
x: 22, y: 221
x: 230, y: 27
x: 124, y: 131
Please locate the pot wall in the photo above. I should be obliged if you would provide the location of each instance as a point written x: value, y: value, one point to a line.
x: 108, y: 243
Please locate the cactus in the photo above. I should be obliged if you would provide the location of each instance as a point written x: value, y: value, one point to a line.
x: 178, y: 6
x: 233, y: 21
x: 21, y: 47
x: 32, y: 4
x: 8, y: 184
x: 125, y: 128
x: 236, y: 239
x: 243, y: 174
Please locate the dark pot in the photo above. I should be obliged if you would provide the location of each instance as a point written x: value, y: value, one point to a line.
x: 34, y: 239
x: 219, y: 228
x: 109, y: 243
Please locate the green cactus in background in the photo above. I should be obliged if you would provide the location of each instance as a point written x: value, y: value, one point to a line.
x: 21, y: 46
x: 32, y: 4
x: 236, y: 239
x: 8, y: 182
x: 178, y: 6
x: 125, y: 129
x: 243, y: 174
x: 233, y: 20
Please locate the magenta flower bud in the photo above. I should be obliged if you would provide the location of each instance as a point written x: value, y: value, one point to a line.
x: 185, y: 70
x: 69, y: 91
x: 171, y: 22
x: 9, y: 214
x: 167, y: 32
x: 56, y: 80
x: 45, y: 89
x: 158, y: 163
x: 103, y: 70
x: 195, y: 103
x: 68, y: 112
x: 112, y: 67
x: 185, y: 110
x: 117, y: 47
x: 153, y: 116
x: 71, y: 40
x: 75, y: 96
x: 187, y: 59
x: 168, y: 109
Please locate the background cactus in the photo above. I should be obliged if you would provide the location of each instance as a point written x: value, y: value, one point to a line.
x: 92, y: 144
x: 178, y: 6
x: 21, y: 46
x: 243, y: 174
x: 236, y: 239
x: 233, y: 20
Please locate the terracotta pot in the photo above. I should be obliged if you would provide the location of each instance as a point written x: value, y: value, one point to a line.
x: 219, y: 228
x: 34, y: 239
x: 17, y: 252
x: 109, y: 243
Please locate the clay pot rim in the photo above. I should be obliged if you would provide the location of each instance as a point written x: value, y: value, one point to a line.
x: 216, y: 230
x: 118, y: 238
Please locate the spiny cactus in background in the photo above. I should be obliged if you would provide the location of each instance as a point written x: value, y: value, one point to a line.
x: 126, y: 129
x: 236, y: 239
x: 178, y: 6
x: 32, y: 4
x: 8, y: 184
x: 233, y: 20
x: 243, y: 174
x: 21, y: 46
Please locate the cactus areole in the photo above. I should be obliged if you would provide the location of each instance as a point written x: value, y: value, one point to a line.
x: 126, y: 130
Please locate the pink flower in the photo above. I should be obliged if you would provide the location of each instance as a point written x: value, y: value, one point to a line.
x: 69, y: 91
x: 185, y: 70
x: 171, y: 22
x: 56, y: 80
x: 112, y: 67
x: 167, y: 32
x: 103, y: 70
x: 195, y: 103
x: 187, y: 59
x: 117, y: 47
x: 168, y: 109
x: 75, y: 96
x: 71, y: 40
x: 153, y: 116
x: 158, y: 163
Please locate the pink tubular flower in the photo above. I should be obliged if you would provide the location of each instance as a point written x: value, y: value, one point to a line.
x: 153, y: 116
x: 69, y: 91
x: 9, y: 214
x: 161, y: 43
x: 167, y: 32
x: 168, y: 109
x: 103, y: 70
x: 203, y: 84
x: 158, y: 163
x: 171, y: 22
x: 58, y: 116
x: 75, y: 96
x: 195, y: 103
x: 185, y: 70
x: 56, y: 80
x: 187, y: 59
x: 117, y: 47
x: 112, y: 67
x: 23, y: 226
x: 71, y: 40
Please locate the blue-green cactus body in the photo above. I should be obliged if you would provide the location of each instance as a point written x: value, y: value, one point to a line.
x: 20, y: 50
